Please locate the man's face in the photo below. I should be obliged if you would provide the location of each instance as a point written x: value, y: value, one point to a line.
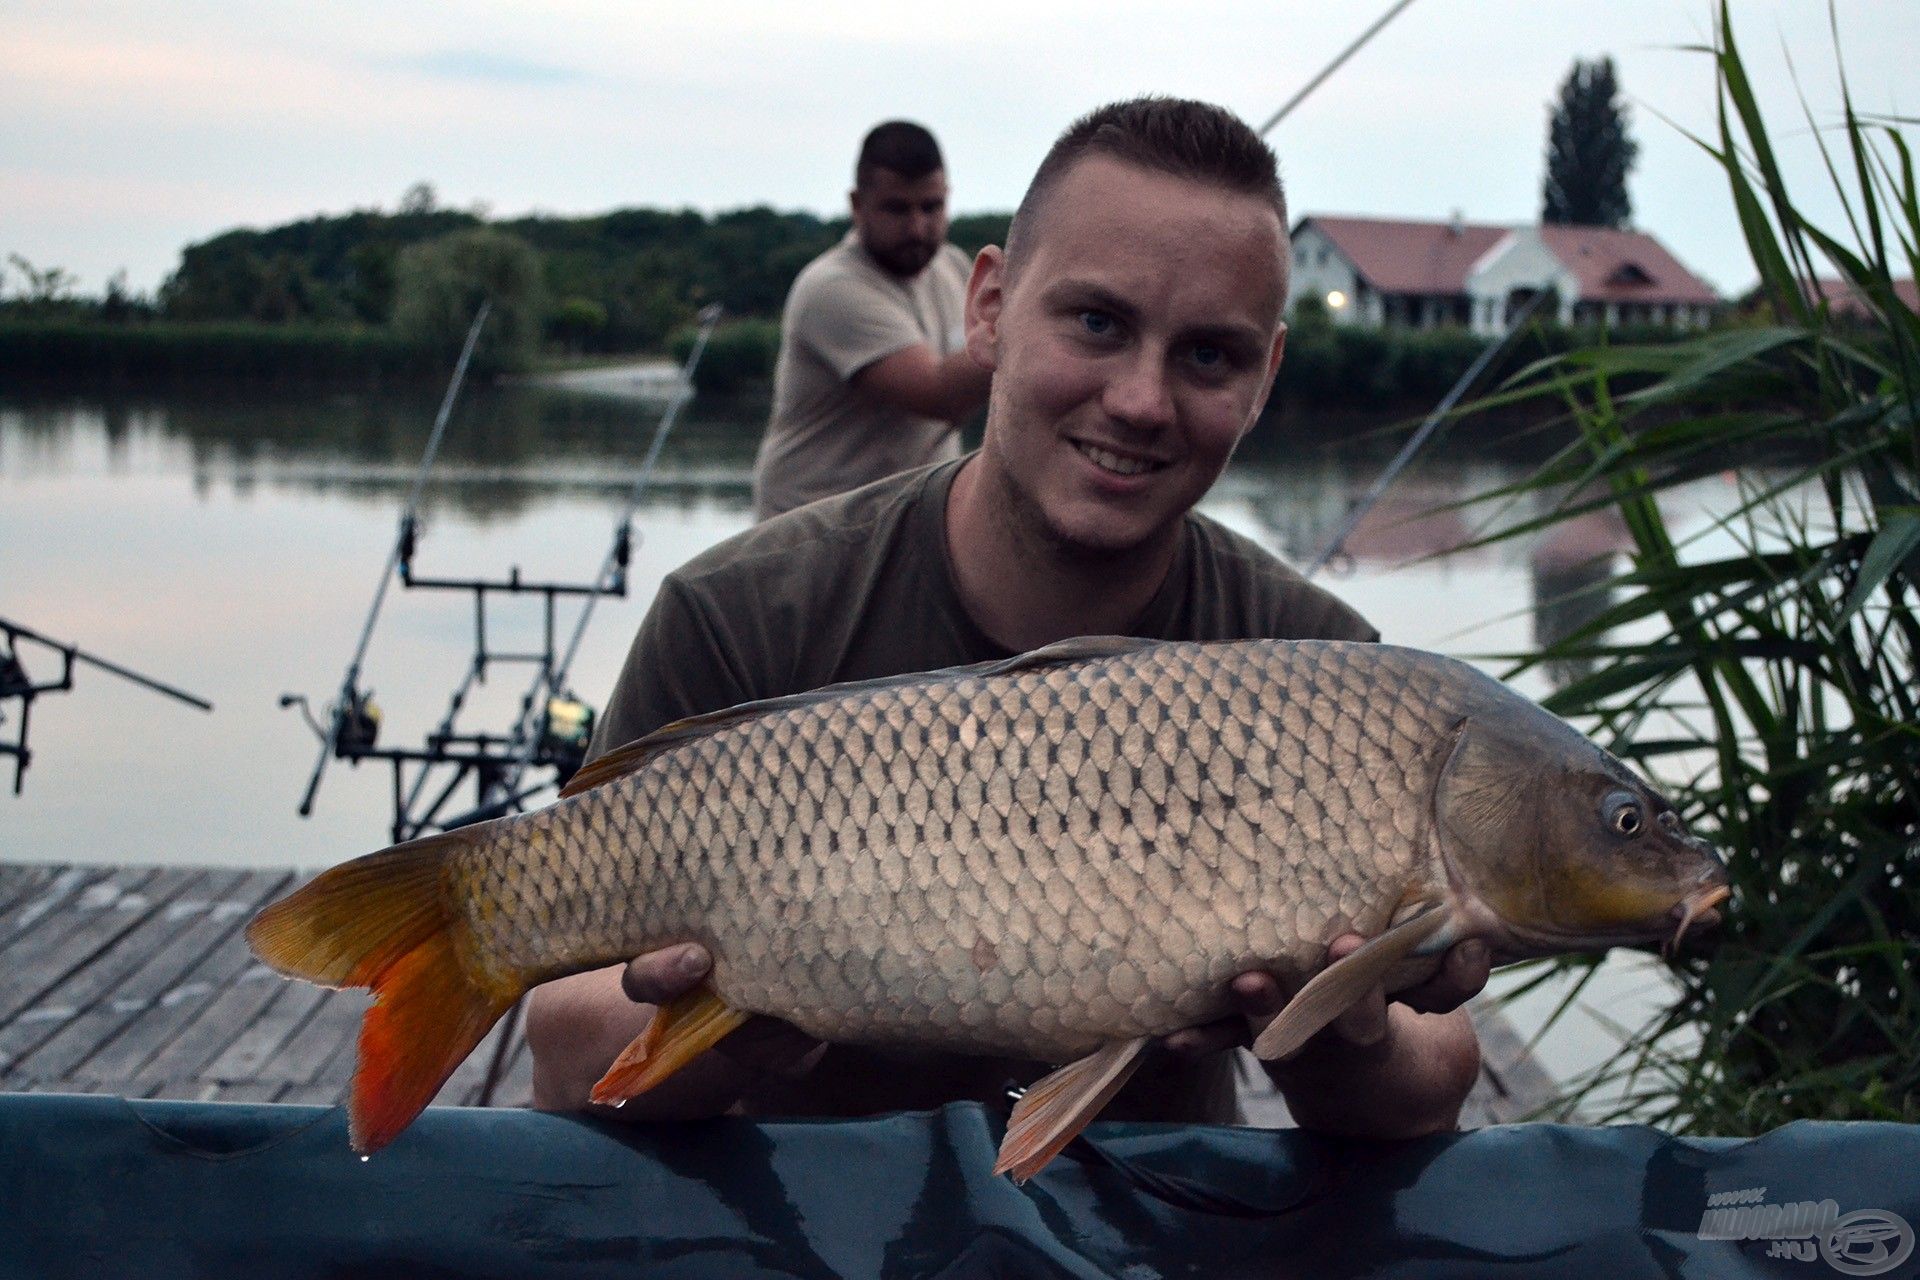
x: 901, y: 222
x: 1131, y: 350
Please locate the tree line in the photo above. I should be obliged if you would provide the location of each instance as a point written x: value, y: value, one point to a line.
x: 619, y: 281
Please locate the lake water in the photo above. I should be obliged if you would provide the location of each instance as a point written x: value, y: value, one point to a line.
x: 231, y: 546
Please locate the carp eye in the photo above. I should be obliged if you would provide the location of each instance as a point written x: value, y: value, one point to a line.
x: 1624, y: 814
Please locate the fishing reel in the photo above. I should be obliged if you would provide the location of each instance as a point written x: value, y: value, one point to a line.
x: 355, y: 722
x: 565, y: 729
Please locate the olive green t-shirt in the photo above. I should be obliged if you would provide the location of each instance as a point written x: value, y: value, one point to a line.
x: 859, y: 587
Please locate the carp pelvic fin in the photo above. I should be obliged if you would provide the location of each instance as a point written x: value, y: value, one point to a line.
x: 385, y: 922
x: 1342, y: 984
x: 679, y: 1032
x: 1059, y: 1106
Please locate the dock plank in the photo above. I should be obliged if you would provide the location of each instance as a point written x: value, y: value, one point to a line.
x: 175, y: 1045
x: 1513, y: 1085
x: 248, y: 1054
x: 323, y: 1094
x: 18, y: 879
x: 138, y: 981
x: 462, y: 1088
x: 516, y: 1083
x: 79, y: 994
x: 46, y: 900
x: 246, y: 1091
x: 48, y: 952
x: 322, y: 1050
x: 147, y: 970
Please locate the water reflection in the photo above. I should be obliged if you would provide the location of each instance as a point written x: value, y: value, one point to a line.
x: 232, y: 544
x: 507, y: 449
x: 1572, y: 568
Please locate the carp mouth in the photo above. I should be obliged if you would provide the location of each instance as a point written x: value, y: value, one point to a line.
x: 1698, y: 907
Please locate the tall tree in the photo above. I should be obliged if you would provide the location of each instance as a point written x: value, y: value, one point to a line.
x: 1588, y: 150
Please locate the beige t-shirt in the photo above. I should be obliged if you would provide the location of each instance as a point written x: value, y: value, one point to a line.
x: 843, y: 313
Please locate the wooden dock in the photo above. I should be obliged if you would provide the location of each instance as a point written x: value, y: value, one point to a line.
x: 136, y: 981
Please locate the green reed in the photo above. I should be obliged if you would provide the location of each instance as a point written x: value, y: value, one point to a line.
x: 1771, y: 692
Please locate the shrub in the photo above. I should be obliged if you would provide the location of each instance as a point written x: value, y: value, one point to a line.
x: 440, y: 284
x: 740, y: 354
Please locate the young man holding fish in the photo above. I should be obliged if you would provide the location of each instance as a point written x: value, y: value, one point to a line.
x: 1132, y: 327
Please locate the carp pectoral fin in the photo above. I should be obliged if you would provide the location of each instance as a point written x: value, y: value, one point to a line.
x: 1342, y: 984
x: 679, y: 1032
x: 1059, y: 1106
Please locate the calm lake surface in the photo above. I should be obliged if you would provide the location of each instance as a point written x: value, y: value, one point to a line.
x: 231, y: 546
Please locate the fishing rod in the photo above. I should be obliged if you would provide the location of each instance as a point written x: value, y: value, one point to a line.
x: 16, y: 683
x: 402, y: 544
x: 1404, y: 458
x: 551, y: 681
x: 1333, y: 66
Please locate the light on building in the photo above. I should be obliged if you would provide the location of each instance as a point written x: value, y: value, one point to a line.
x: 1336, y: 299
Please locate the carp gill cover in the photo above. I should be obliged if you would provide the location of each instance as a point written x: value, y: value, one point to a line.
x: 1060, y: 856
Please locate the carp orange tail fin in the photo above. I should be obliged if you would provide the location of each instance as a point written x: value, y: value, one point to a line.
x: 387, y: 922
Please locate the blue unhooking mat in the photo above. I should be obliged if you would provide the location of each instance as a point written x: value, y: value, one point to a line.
x: 94, y: 1186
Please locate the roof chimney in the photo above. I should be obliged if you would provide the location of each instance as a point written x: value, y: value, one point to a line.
x: 1457, y: 224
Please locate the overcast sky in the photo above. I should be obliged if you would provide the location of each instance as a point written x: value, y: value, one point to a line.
x: 133, y: 127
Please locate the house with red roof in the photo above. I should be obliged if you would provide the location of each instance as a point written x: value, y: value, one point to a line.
x: 1384, y: 272
x: 1844, y: 301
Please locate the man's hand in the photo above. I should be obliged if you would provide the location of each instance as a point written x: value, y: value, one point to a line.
x: 1379, y: 1070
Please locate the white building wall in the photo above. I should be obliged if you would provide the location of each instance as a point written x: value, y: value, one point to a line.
x: 1320, y: 270
x: 1521, y: 261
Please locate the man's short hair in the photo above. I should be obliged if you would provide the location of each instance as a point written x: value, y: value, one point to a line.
x: 1193, y: 140
x: 898, y: 145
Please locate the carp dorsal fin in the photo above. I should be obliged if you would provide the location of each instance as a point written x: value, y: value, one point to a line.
x: 1059, y: 1106
x: 1342, y: 984
x: 1072, y: 649
x: 622, y: 761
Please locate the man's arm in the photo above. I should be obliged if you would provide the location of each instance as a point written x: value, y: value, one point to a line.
x: 914, y: 379
x: 1391, y: 1070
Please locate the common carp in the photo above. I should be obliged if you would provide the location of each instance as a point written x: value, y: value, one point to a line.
x: 1059, y: 856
